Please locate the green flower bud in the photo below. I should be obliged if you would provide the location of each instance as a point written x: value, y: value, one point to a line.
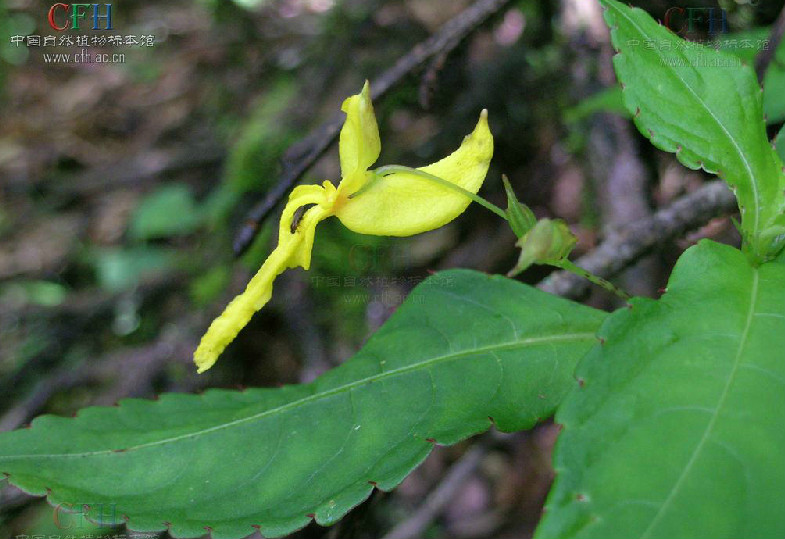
x: 549, y: 242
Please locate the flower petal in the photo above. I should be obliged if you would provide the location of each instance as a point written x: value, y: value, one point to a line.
x: 294, y: 249
x: 302, y: 195
x: 402, y: 204
x: 359, y: 144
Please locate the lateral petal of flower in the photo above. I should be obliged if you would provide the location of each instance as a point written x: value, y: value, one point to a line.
x: 359, y: 144
x: 294, y: 249
x: 402, y: 204
x: 321, y: 195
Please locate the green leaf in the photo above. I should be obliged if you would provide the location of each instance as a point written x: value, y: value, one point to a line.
x: 747, y: 44
x: 253, y: 162
x: 779, y: 141
x: 774, y: 89
x: 464, y: 351
x: 675, y: 426
x: 169, y: 211
x: 607, y: 100
x: 123, y: 268
x: 45, y: 293
x: 705, y: 106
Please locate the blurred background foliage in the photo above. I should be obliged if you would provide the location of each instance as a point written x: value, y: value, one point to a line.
x: 122, y: 185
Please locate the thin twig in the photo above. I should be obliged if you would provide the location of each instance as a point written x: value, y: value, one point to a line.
x: 127, y: 373
x: 624, y: 247
x: 568, y: 265
x: 765, y: 57
x: 301, y: 156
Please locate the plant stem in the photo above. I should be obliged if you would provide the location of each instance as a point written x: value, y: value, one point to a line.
x: 381, y: 172
x: 599, y: 281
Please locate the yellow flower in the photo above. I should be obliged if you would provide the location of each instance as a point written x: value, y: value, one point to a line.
x: 392, y: 202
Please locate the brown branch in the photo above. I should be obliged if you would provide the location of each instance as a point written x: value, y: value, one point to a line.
x: 765, y: 57
x: 620, y: 249
x: 617, y: 170
x: 299, y: 157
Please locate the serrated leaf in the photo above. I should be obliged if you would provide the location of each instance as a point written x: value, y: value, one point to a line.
x: 780, y: 143
x: 704, y: 105
x: 675, y: 426
x: 747, y: 44
x: 464, y: 348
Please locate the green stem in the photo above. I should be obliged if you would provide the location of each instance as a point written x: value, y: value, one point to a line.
x: 381, y: 172
x: 599, y: 281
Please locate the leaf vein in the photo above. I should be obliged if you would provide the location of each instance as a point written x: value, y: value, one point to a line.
x: 531, y: 341
x: 713, y: 420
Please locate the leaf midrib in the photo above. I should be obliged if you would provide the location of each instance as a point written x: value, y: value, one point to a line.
x: 713, y: 421
x: 325, y: 394
x: 741, y: 154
